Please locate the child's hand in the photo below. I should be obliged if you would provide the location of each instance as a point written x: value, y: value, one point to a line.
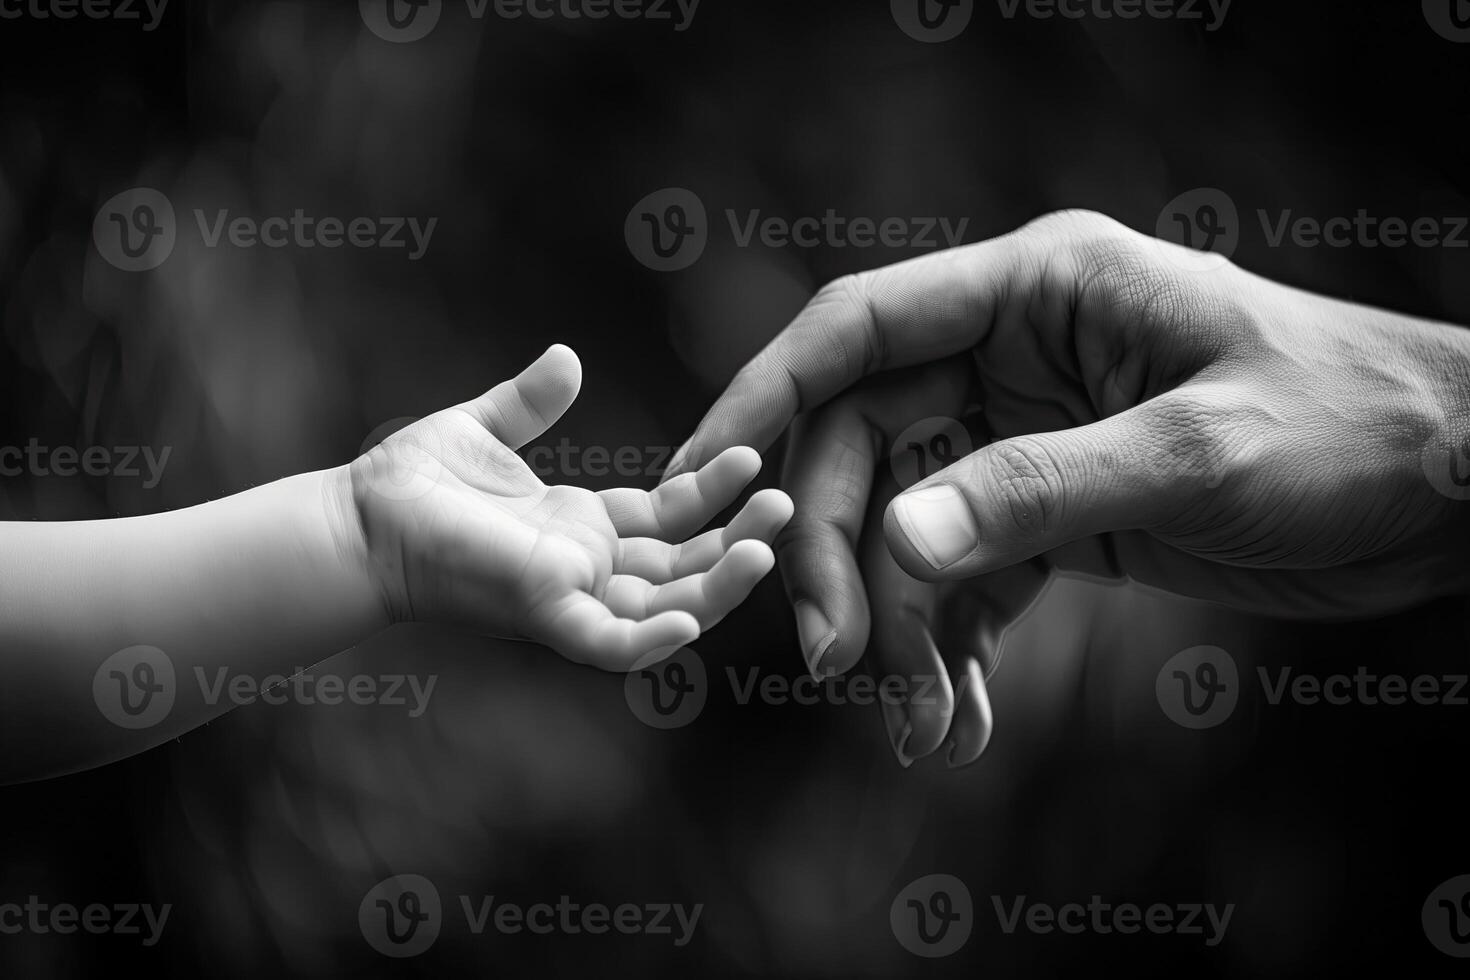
x: 455, y: 527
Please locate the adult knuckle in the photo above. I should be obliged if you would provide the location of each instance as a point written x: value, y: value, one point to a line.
x: 1077, y: 223
x: 1197, y: 438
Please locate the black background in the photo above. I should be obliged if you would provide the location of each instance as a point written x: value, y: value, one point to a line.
x: 529, y: 778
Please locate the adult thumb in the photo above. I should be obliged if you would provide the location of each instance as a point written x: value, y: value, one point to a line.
x: 1022, y: 497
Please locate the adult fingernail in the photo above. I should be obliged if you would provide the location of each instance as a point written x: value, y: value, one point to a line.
x: 952, y: 763
x: 815, y: 633
x: 901, y: 744
x: 938, y: 523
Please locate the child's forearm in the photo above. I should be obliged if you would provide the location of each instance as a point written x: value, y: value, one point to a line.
x: 261, y: 583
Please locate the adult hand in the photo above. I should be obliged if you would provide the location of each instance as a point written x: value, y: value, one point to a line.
x: 1157, y: 414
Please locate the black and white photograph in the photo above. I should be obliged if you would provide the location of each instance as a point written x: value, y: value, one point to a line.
x: 813, y: 489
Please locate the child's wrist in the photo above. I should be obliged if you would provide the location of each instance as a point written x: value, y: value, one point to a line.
x: 344, y: 523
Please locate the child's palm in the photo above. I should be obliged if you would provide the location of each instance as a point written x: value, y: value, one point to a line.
x: 462, y: 530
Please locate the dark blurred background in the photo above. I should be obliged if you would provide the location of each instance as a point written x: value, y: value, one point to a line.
x: 529, y: 778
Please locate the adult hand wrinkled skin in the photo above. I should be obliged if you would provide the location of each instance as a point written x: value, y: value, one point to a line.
x: 1156, y: 414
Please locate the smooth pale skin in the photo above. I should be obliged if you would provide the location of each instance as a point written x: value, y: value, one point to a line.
x: 441, y: 522
x: 1159, y: 415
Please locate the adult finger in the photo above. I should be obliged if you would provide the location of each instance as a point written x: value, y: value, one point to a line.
x: 910, y: 313
x: 1021, y: 497
x: 914, y: 684
x: 973, y: 618
x: 832, y: 459
x: 829, y: 473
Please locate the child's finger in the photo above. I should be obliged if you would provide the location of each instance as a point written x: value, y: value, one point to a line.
x: 686, y: 503
x: 761, y: 519
x: 519, y: 410
x: 587, y: 632
x: 709, y: 596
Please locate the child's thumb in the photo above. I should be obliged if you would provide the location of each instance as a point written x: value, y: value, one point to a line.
x: 521, y: 409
